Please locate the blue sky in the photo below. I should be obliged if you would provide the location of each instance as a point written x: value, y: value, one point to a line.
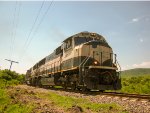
x: 125, y: 25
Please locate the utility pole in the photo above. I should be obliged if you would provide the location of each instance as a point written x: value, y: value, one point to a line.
x: 11, y: 62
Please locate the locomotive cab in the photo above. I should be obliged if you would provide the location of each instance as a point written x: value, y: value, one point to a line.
x: 98, y: 65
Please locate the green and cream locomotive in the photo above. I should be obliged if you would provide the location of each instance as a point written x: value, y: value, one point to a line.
x: 84, y: 61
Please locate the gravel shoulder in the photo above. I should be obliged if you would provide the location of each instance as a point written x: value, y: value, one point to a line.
x: 130, y: 105
x: 28, y: 95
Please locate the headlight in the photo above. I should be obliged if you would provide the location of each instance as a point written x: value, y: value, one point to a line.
x: 95, y: 62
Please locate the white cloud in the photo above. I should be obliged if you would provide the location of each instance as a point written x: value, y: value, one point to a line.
x: 142, y: 65
x: 135, y: 19
x: 141, y: 40
x: 145, y: 18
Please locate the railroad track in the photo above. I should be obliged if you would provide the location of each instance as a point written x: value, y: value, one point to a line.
x: 115, y: 94
x: 138, y: 96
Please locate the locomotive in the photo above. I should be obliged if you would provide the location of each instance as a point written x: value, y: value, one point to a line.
x: 84, y: 61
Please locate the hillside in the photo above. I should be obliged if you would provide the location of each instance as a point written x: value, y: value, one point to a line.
x: 136, y: 81
x: 136, y: 72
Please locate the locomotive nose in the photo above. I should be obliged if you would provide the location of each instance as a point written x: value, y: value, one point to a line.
x: 101, y: 53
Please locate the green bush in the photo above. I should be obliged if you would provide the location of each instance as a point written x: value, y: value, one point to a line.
x: 11, y: 76
x: 140, y: 84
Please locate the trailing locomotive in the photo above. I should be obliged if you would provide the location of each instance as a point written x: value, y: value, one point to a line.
x: 83, y: 61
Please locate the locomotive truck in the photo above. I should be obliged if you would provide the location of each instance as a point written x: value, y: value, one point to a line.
x: 84, y: 61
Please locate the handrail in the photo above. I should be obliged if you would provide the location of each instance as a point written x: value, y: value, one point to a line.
x: 118, y: 65
x: 83, y: 61
x: 120, y: 69
x: 81, y: 64
x: 86, y: 60
x: 80, y: 67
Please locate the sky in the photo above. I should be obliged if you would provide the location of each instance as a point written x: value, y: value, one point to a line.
x: 29, y: 31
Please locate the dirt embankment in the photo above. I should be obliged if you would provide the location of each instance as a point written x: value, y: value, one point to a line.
x: 29, y: 95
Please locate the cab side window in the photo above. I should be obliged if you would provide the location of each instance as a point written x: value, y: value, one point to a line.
x: 80, y: 40
x: 68, y: 44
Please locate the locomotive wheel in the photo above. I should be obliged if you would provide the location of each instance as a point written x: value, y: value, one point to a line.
x: 34, y: 82
x: 78, y: 88
x: 64, y: 85
x: 101, y: 91
x: 39, y: 83
x: 73, y: 86
x: 84, y: 88
x: 88, y: 89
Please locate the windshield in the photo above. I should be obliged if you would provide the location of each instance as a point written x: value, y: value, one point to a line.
x: 81, y: 40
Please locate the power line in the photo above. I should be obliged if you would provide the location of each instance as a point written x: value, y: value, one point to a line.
x: 14, y: 31
x: 12, y: 34
x: 44, y: 15
x: 39, y: 11
x: 31, y: 30
x: 42, y: 19
x: 15, y: 25
x: 11, y: 62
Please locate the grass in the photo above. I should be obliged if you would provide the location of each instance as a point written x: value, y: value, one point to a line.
x: 19, y: 108
x: 67, y: 102
x: 4, y: 99
x: 6, y: 103
x: 58, y: 87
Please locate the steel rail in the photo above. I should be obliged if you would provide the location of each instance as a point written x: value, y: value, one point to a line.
x: 119, y: 94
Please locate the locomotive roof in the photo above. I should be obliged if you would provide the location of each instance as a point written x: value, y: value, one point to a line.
x: 81, y: 34
x: 85, y: 33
